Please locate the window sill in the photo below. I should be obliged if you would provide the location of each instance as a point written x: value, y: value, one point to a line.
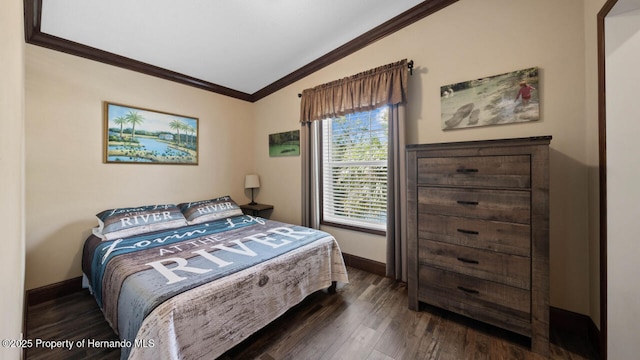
x: 354, y: 228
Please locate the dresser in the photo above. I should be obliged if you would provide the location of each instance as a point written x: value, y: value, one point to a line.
x: 478, y: 232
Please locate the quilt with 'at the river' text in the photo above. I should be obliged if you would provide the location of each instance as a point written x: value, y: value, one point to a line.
x: 131, y: 276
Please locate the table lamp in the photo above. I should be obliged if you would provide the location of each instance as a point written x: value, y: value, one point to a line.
x: 252, y: 182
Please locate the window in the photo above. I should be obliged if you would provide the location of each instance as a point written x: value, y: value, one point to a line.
x: 354, y: 170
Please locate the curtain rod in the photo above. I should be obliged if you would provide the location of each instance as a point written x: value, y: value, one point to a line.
x: 409, y: 65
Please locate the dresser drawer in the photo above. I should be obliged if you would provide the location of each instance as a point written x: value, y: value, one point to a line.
x: 498, y: 304
x: 513, y: 171
x: 497, y: 236
x: 497, y: 267
x: 498, y: 205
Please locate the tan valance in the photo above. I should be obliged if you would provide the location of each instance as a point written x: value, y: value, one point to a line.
x: 385, y: 85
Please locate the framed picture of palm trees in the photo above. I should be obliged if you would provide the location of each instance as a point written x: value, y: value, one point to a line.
x: 143, y: 136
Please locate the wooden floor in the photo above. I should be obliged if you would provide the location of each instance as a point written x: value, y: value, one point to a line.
x: 367, y: 319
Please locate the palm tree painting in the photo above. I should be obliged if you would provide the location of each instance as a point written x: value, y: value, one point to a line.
x: 134, y: 118
x: 177, y: 126
x: 142, y: 136
x: 121, y: 121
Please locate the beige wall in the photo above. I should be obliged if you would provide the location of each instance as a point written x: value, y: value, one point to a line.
x: 66, y: 181
x: 11, y: 181
x: 468, y: 40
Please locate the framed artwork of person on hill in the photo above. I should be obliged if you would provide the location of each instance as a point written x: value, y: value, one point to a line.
x: 507, y: 98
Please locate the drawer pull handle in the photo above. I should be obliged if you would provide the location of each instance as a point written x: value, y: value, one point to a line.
x: 471, y: 232
x: 468, y: 291
x: 467, y: 171
x: 463, y: 202
x: 468, y: 261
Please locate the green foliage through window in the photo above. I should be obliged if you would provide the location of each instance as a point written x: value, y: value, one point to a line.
x: 354, y: 176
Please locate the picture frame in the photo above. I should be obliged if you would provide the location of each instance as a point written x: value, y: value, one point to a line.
x: 135, y: 135
x: 492, y: 100
x: 284, y: 144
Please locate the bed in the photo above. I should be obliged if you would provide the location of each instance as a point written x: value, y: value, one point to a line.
x: 192, y: 280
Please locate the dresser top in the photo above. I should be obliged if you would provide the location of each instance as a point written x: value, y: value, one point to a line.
x: 534, y: 140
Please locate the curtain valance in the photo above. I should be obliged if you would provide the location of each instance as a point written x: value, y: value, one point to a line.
x: 384, y: 85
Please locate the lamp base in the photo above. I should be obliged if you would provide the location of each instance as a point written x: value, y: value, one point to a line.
x: 252, y: 202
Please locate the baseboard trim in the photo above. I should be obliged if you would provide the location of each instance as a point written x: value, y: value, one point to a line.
x: 368, y: 265
x: 53, y: 291
x: 596, y: 338
x: 578, y: 324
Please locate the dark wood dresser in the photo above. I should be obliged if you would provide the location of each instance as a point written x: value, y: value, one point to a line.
x: 478, y: 232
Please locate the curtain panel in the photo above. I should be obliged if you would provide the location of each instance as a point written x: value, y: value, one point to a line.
x: 396, y: 195
x: 310, y: 157
x: 384, y: 85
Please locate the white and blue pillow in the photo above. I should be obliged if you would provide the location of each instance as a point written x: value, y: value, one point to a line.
x: 125, y: 222
x: 208, y: 210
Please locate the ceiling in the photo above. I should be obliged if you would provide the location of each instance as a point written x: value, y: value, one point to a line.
x: 242, y: 48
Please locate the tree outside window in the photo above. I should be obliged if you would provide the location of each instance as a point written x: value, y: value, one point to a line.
x: 354, y: 170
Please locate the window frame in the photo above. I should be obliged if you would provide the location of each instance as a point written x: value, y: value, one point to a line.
x: 321, y: 165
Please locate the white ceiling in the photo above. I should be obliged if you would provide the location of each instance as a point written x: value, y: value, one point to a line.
x: 244, y: 45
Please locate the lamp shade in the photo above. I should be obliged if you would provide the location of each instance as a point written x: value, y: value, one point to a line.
x: 251, y: 181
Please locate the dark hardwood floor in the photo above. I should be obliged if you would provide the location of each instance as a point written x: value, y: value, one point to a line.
x: 367, y: 319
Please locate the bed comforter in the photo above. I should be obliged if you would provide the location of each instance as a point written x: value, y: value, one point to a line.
x: 196, y: 291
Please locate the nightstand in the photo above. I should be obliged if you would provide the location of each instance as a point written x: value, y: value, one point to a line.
x: 262, y: 210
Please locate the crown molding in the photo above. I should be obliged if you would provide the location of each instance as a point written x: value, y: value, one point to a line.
x: 34, y: 36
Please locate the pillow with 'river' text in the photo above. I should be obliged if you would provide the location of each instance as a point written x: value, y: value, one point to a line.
x: 125, y: 222
x: 209, y: 210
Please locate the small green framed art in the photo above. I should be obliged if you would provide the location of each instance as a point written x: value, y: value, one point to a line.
x: 284, y: 143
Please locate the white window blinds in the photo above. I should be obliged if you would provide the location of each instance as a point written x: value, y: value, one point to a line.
x: 354, y: 170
